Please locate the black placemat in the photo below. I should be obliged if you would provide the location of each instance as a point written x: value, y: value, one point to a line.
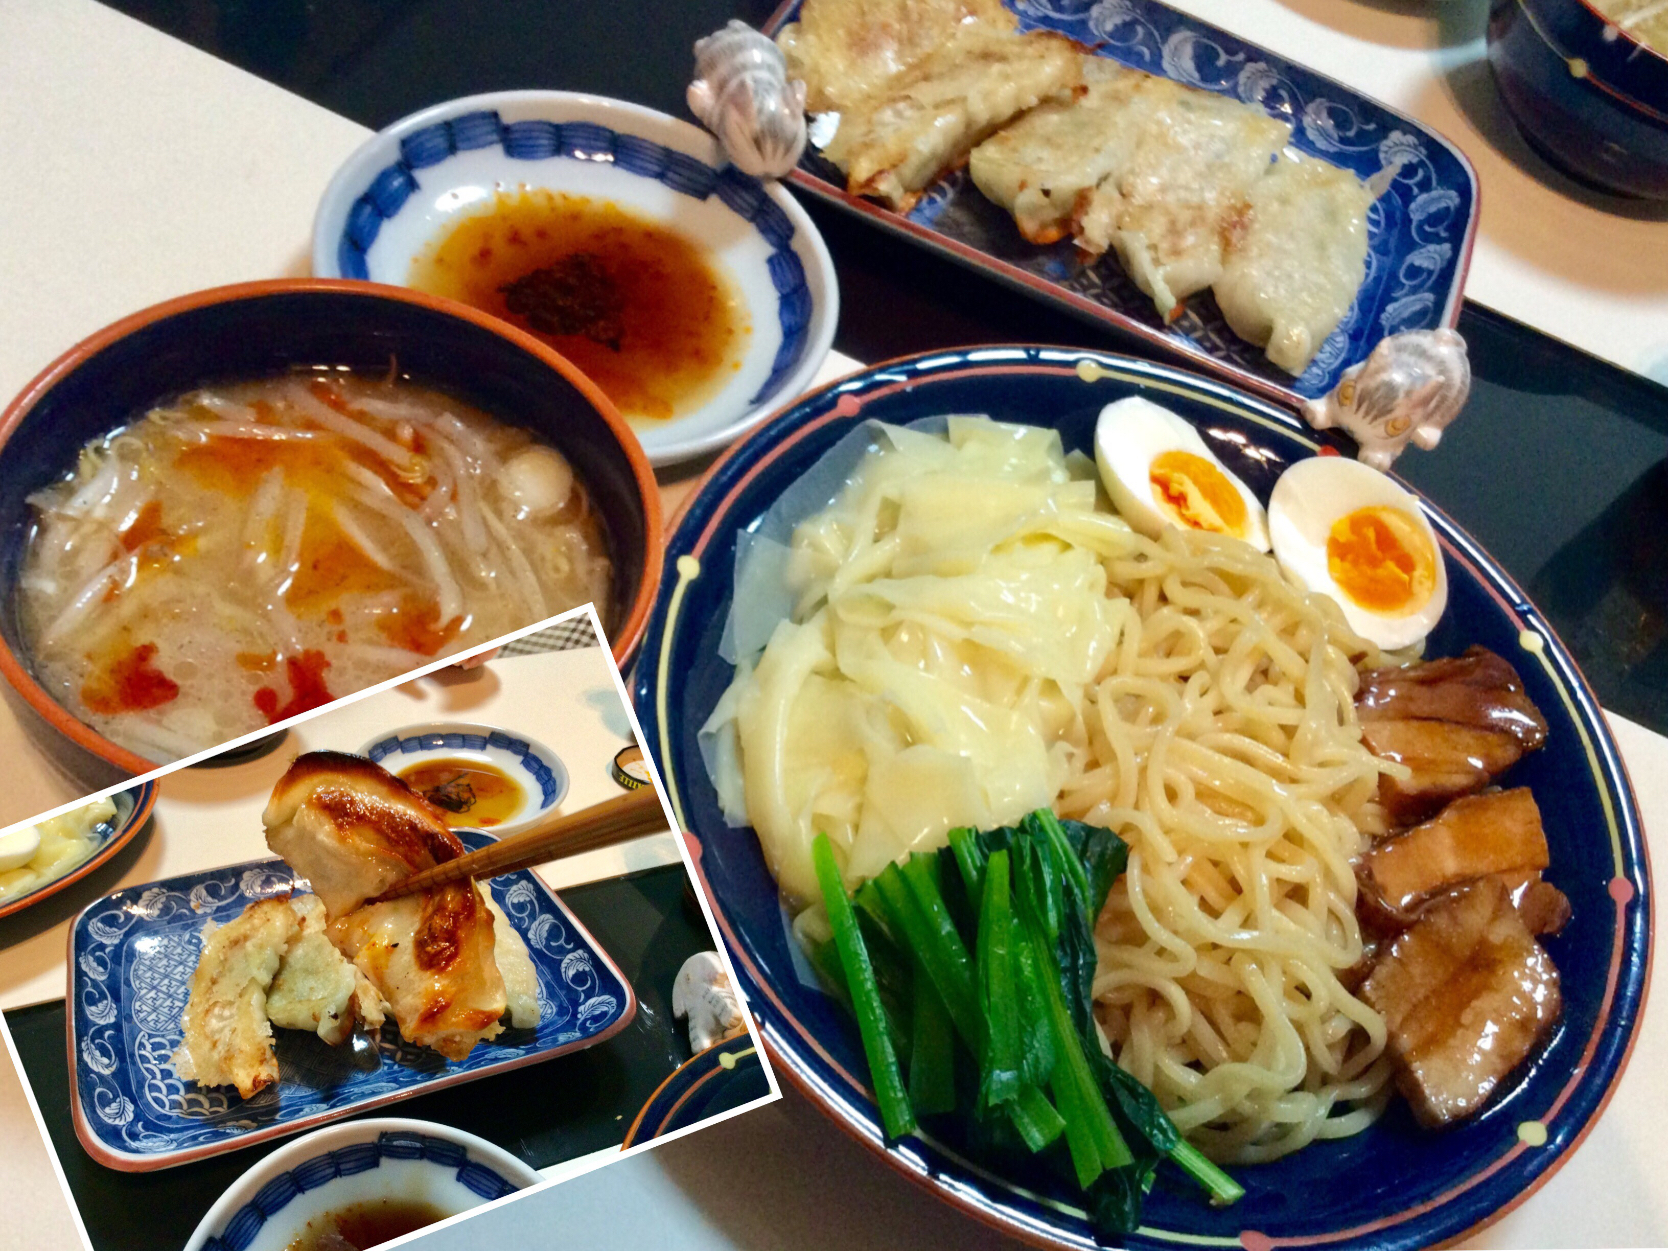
x: 545, y: 1113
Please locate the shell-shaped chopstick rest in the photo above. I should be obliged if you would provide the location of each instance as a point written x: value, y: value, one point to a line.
x: 1411, y: 387
x: 702, y: 992
x: 742, y: 94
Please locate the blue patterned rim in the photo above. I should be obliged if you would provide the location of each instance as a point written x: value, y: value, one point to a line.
x: 553, y: 783
x: 535, y: 140
x: 1392, y: 1187
x: 359, y: 1157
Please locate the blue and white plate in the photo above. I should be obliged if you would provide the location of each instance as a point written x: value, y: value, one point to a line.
x: 270, y: 1207
x: 132, y: 955
x: 540, y: 771
x: 1393, y: 1187
x: 1420, y: 231
x: 133, y: 809
x: 409, y: 184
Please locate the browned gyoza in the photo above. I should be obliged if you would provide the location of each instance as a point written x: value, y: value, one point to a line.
x: 1456, y: 723
x: 354, y: 830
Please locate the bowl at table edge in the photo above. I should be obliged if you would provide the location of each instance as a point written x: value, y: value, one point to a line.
x: 258, y: 329
x: 1585, y: 94
x: 133, y: 809
x: 1389, y: 1188
x: 539, y: 772
x: 357, y: 1161
x: 410, y: 183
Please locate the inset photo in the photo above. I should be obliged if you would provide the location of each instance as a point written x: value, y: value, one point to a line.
x: 479, y: 940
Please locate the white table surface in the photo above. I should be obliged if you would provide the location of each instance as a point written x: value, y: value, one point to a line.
x: 138, y: 168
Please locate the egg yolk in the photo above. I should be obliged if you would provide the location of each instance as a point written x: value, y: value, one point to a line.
x: 1197, y: 494
x: 1381, y: 559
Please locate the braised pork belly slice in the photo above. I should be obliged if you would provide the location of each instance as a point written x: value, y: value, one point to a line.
x: 1446, y: 760
x: 431, y: 957
x: 1456, y: 723
x: 1473, y: 837
x: 1466, y: 994
x: 1478, y: 689
x: 353, y: 829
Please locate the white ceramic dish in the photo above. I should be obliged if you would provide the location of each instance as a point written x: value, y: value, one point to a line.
x: 540, y: 771
x: 269, y: 1206
x: 410, y: 183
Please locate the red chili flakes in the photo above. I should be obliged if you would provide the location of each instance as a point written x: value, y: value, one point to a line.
x: 307, y: 688
x: 129, y: 683
x: 416, y: 627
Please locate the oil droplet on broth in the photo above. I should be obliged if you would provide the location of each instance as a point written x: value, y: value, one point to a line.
x: 645, y: 312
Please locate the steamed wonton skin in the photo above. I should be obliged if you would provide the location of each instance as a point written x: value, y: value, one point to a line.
x: 1039, y: 167
x: 1294, y: 271
x: 899, y: 139
x: 431, y: 957
x: 928, y: 680
x: 353, y: 829
x: 1184, y: 191
x: 844, y: 50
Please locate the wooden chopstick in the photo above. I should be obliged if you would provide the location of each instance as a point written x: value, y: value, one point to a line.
x: 620, y: 820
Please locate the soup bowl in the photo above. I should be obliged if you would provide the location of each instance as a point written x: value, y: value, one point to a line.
x: 1585, y: 93
x: 261, y: 329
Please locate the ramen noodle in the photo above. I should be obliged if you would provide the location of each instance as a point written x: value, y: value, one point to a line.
x: 247, y: 552
x: 974, y: 636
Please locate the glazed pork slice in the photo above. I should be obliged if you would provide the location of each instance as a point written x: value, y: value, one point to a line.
x: 1456, y: 724
x: 432, y: 957
x: 844, y: 50
x: 1478, y: 689
x: 1473, y: 837
x: 228, y: 1040
x: 1466, y: 993
x: 899, y: 139
x: 353, y: 829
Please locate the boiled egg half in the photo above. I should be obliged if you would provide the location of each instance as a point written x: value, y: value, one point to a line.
x: 1347, y: 531
x: 1159, y: 472
x: 18, y: 846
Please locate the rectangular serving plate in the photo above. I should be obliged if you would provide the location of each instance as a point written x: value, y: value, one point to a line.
x: 1420, y: 232
x: 131, y: 958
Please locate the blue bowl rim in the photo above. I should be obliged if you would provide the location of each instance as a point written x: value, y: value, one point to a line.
x: 697, y: 523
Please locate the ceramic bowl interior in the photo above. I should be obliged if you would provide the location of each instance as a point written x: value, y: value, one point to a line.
x: 540, y: 772
x: 409, y: 185
x: 362, y: 1162
x: 1588, y: 96
x: 262, y: 329
x: 1393, y: 1187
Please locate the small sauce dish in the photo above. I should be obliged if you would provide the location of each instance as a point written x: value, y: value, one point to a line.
x: 366, y: 1174
x: 478, y: 775
x: 612, y: 213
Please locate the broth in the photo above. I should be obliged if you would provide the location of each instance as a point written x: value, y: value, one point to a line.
x: 246, y: 553
x: 467, y: 792
x: 643, y: 311
x: 359, y: 1226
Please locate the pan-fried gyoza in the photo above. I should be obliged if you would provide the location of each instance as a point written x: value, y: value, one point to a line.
x: 444, y: 963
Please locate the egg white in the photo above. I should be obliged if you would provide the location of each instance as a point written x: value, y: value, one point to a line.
x: 1307, y: 500
x: 18, y: 847
x: 1129, y: 434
